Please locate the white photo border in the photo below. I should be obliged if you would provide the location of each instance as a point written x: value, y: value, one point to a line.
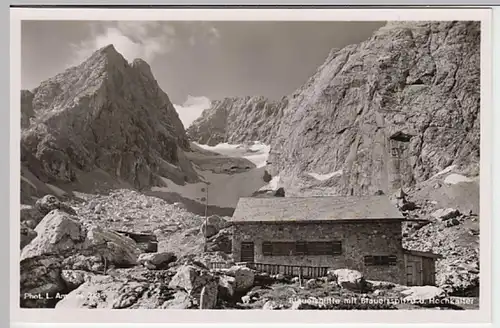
x: 482, y: 315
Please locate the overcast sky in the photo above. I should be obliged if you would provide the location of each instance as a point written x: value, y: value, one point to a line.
x: 195, y: 62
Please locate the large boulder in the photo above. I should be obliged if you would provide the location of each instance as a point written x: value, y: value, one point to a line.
x: 27, y: 234
x: 208, y: 230
x: 349, y: 279
x: 272, y: 305
x: 30, y: 214
x: 180, y: 301
x: 445, y: 213
x: 192, y: 279
x: 226, y: 287
x: 424, y: 295
x: 133, y: 288
x: 156, y: 260
x: 218, y: 221
x: 208, y: 296
x: 220, y: 242
x: 244, y: 277
x: 50, y: 202
x: 62, y: 242
x: 40, y: 281
x: 57, y: 233
x: 280, y: 192
x: 212, y: 225
x: 108, y: 293
x: 74, y: 278
x: 147, y: 242
x: 60, y: 233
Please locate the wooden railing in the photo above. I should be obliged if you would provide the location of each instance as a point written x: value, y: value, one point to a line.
x: 219, y: 265
x: 287, y: 270
x: 290, y: 270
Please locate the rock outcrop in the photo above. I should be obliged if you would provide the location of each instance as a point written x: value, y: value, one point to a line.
x: 383, y: 114
x: 236, y: 120
x: 349, y: 279
x: 389, y: 112
x: 64, y: 243
x: 105, y: 114
x: 125, y: 289
x: 155, y: 261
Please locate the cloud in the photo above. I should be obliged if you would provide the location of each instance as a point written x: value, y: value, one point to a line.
x: 192, y: 41
x: 202, y: 32
x: 132, y: 39
x: 214, y: 32
x: 191, y: 109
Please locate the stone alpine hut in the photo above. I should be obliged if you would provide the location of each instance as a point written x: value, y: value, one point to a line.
x: 361, y: 233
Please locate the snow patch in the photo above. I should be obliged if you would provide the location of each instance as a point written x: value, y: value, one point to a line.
x: 56, y: 190
x: 28, y: 182
x: 323, y: 177
x: 257, y: 153
x: 456, y: 178
x: 446, y: 170
x: 273, y: 184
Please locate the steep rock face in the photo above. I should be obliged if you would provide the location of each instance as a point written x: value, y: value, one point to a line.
x: 235, y: 120
x: 389, y: 112
x: 26, y: 108
x: 104, y: 113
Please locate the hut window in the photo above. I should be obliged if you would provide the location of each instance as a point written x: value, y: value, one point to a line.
x: 324, y: 248
x: 282, y: 248
x: 301, y: 248
x: 380, y: 260
x: 336, y: 248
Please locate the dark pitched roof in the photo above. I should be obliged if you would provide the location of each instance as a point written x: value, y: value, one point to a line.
x: 422, y: 254
x: 306, y: 209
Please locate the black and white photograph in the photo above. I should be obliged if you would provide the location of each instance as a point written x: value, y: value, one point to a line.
x: 250, y: 165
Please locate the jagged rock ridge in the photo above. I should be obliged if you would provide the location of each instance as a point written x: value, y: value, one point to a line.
x: 237, y: 119
x: 389, y: 112
x: 104, y: 114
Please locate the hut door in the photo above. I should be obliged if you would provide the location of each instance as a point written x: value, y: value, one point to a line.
x: 428, y: 274
x: 247, y: 252
x: 413, y: 273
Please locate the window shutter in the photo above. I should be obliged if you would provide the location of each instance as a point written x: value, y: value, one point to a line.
x: 380, y: 260
x: 336, y: 248
x: 369, y: 260
x: 301, y: 248
x: 392, y: 260
x: 267, y: 248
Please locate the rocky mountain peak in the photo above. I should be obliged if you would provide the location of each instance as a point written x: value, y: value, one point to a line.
x: 104, y: 114
x: 143, y: 67
x: 237, y: 119
x: 108, y: 50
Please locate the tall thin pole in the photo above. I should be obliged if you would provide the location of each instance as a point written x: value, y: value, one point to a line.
x: 206, y: 217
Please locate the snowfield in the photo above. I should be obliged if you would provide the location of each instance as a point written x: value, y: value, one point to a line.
x: 224, y: 189
x: 256, y: 153
x: 446, y: 170
x: 456, y: 178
